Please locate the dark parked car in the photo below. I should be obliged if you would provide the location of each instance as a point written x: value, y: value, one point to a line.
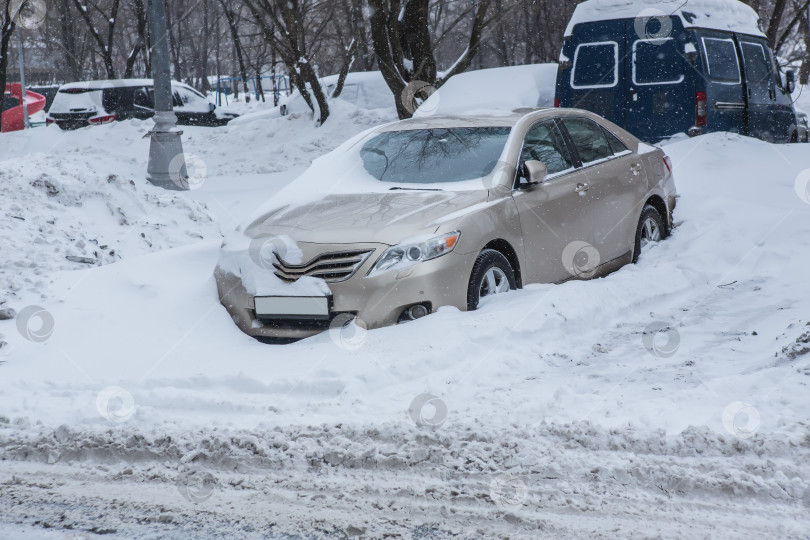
x: 687, y: 71
x: 100, y: 102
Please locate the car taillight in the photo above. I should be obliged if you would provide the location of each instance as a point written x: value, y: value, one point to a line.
x: 701, y: 110
x: 49, y: 121
x: 557, y: 103
x: 102, y: 119
x: 668, y: 163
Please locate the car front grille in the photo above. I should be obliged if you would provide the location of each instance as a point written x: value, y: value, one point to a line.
x: 331, y: 267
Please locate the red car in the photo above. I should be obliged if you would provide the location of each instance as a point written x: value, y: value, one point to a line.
x: 12, y: 118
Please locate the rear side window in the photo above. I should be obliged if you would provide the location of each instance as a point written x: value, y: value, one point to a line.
x: 596, y: 65
x: 615, y: 144
x: 118, y: 99
x: 657, y: 61
x: 589, y: 139
x: 544, y: 142
x: 721, y: 60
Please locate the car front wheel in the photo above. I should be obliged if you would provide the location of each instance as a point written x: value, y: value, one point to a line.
x: 491, y: 274
x: 650, y: 229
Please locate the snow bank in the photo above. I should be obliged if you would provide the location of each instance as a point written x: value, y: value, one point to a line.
x: 713, y: 14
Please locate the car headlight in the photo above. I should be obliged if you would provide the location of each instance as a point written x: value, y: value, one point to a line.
x: 402, y: 256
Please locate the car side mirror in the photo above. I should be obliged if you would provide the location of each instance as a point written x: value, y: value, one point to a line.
x: 535, y: 172
x: 790, y: 75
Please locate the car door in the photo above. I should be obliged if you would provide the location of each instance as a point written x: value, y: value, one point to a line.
x: 723, y: 82
x: 760, y: 91
x: 554, y: 217
x: 661, y: 88
x: 595, y: 81
x: 616, y: 181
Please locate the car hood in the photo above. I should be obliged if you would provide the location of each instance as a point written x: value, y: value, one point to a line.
x: 388, y: 217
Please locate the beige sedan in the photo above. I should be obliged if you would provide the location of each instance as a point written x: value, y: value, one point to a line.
x: 445, y: 211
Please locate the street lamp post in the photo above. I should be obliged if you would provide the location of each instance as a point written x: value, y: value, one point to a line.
x: 23, y: 96
x: 167, y: 166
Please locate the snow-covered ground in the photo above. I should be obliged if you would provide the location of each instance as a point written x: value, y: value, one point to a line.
x: 668, y: 400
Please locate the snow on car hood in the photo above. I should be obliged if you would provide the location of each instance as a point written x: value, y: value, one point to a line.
x: 385, y: 218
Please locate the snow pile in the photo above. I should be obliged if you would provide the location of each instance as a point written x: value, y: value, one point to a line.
x: 79, y: 198
x: 729, y: 15
x: 87, y: 206
x: 514, y: 87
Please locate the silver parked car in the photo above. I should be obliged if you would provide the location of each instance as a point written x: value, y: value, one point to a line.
x: 445, y: 211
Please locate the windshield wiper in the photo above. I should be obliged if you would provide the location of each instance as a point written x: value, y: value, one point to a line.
x: 415, y: 188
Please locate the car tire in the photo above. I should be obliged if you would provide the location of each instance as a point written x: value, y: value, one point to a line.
x: 650, y: 229
x: 490, y: 267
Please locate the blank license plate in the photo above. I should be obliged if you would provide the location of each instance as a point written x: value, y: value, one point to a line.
x: 292, y: 307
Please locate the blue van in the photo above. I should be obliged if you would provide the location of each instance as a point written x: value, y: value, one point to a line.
x: 658, y: 68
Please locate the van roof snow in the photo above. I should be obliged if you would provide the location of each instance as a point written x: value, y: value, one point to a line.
x: 729, y: 15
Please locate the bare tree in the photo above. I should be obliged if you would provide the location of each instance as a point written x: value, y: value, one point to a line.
x: 104, y: 43
x: 406, y: 53
x: 7, y: 26
x: 286, y: 25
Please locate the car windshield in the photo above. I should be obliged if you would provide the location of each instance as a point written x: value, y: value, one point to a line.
x: 432, y: 156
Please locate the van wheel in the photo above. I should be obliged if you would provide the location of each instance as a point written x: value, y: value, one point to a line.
x: 794, y: 137
x: 491, y: 274
x: 650, y: 229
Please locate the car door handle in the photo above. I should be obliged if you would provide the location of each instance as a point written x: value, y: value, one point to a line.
x: 582, y: 188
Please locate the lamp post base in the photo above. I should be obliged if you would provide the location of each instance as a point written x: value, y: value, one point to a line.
x: 167, y: 166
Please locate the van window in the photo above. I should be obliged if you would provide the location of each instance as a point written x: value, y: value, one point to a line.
x: 721, y: 60
x: 756, y: 63
x: 596, y: 65
x: 589, y: 139
x: 544, y: 142
x: 657, y: 61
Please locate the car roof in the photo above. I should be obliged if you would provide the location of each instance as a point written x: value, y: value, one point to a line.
x: 113, y: 83
x: 726, y: 15
x: 489, y: 118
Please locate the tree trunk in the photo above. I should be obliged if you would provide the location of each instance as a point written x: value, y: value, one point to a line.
x: 6, y: 29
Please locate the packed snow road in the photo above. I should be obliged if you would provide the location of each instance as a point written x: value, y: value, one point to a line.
x: 667, y: 400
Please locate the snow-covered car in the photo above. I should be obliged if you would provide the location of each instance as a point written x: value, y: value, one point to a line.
x: 365, y: 89
x: 89, y: 103
x: 445, y: 211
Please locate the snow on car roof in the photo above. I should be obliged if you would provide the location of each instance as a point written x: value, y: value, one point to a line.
x: 482, y: 90
x: 490, y: 118
x: 712, y: 14
x: 112, y: 83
